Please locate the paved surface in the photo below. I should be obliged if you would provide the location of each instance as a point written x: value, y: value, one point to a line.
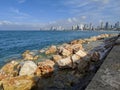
x: 108, y: 76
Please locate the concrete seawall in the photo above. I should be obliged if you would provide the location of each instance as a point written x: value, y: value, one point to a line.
x: 108, y: 76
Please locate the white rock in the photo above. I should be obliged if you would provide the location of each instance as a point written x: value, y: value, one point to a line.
x: 28, y: 68
x: 81, y: 53
x: 75, y: 58
x: 64, y: 62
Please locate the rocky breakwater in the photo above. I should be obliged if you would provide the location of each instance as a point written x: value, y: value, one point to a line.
x: 57, y: 67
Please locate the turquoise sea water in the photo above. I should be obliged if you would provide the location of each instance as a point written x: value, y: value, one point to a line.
x: 14, y: 43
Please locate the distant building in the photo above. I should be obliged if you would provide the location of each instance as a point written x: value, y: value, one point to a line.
x: 102, y: 26
x: 90, y: 27
x: 107, y: 26
x: 75, y: 27
x: 117, y: 25
x: 81, y: 27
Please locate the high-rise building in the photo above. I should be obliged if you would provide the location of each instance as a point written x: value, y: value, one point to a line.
x: 90, y: 27
x: 107, y: 26
x: 81, y: 27
x: 101, y: 26
x: 75, y: 27
x: 117, y: 25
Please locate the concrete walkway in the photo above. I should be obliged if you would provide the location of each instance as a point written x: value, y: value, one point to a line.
x: 108, y: 76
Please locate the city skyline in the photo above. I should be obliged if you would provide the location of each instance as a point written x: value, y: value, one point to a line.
x: 36, y: 14
x: 102, y: 26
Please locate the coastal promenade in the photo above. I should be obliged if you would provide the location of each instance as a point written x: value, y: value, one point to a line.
x: 108, y: 76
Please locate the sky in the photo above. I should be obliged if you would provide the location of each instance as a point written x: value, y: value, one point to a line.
x: 36, y: 14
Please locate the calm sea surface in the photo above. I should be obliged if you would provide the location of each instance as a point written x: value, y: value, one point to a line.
x: 13, y: 43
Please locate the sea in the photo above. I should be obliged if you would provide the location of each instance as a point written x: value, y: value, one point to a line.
x: 14, y: 43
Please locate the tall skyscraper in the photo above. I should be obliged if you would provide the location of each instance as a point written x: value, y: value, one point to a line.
x: 101, y: 26
x: 117, y: 25
x: 90, y: 26
x: 107, y: 26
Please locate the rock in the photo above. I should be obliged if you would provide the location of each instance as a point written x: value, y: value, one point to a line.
x: 46, y: 63
x: 27, y: 55
x: 56, y: 58
x: 68, y: 47
x: 77, y: 47
x: 66, y: 62
x: 28, y: 68
x: 9, y: 68
x: 93, y: 38
x: 75, y: 58
x: 83, y: 66
x: 51, y: 50
x: 18, y: 83
x: 42, y: 51
x: 45, y: 68
x: 81, y: 41
x: 95, y: 56
x: 74, y: 42
x: 36, y: 57
x: 81, y: 53
x: 3, y: 76
x: 64, y: 52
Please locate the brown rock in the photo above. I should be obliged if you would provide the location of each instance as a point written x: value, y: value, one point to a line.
x: 74, y: 42
x: 64, y: 52
x: 36, y: 57
x: 3, y: 76
x: 77, y: 47
x: 27, y: 55
x: 81, y: 41
x: 45, y: 68
x: 68, y: 47
x: 56, y: 58
x: 51, y: 50
x: 18, y: 83
x: 9, y: 68
x: 46, y: 63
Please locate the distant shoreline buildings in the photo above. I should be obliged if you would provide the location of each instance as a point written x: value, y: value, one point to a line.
x: 101, y: 26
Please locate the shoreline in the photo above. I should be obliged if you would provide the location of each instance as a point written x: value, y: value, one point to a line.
x: 59, y: 63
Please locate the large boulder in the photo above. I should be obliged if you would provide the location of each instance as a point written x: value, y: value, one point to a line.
x: 74, y: 42
x: 68, y: 47
x: 80, y: 41
x: 51, y: 50
x: 65, y: 62
x: 18, y: 83
x: 45, y: 68
x: 81, y: 53
x: 28, y: 55
x: 56, y: 58
x: 28, y: 68
x: 9, y: 69
x: 75, y: 58
x: 77, y: 47
x: 64, y: 52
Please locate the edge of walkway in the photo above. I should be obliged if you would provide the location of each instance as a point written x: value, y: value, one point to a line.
x: 108, y: 75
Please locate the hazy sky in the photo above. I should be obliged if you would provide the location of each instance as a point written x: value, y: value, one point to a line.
x: 33, y: 14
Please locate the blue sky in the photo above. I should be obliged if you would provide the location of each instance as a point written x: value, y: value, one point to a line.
x: 33, y: 14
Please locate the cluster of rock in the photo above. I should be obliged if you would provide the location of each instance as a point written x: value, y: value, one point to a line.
x: 28, y: 73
